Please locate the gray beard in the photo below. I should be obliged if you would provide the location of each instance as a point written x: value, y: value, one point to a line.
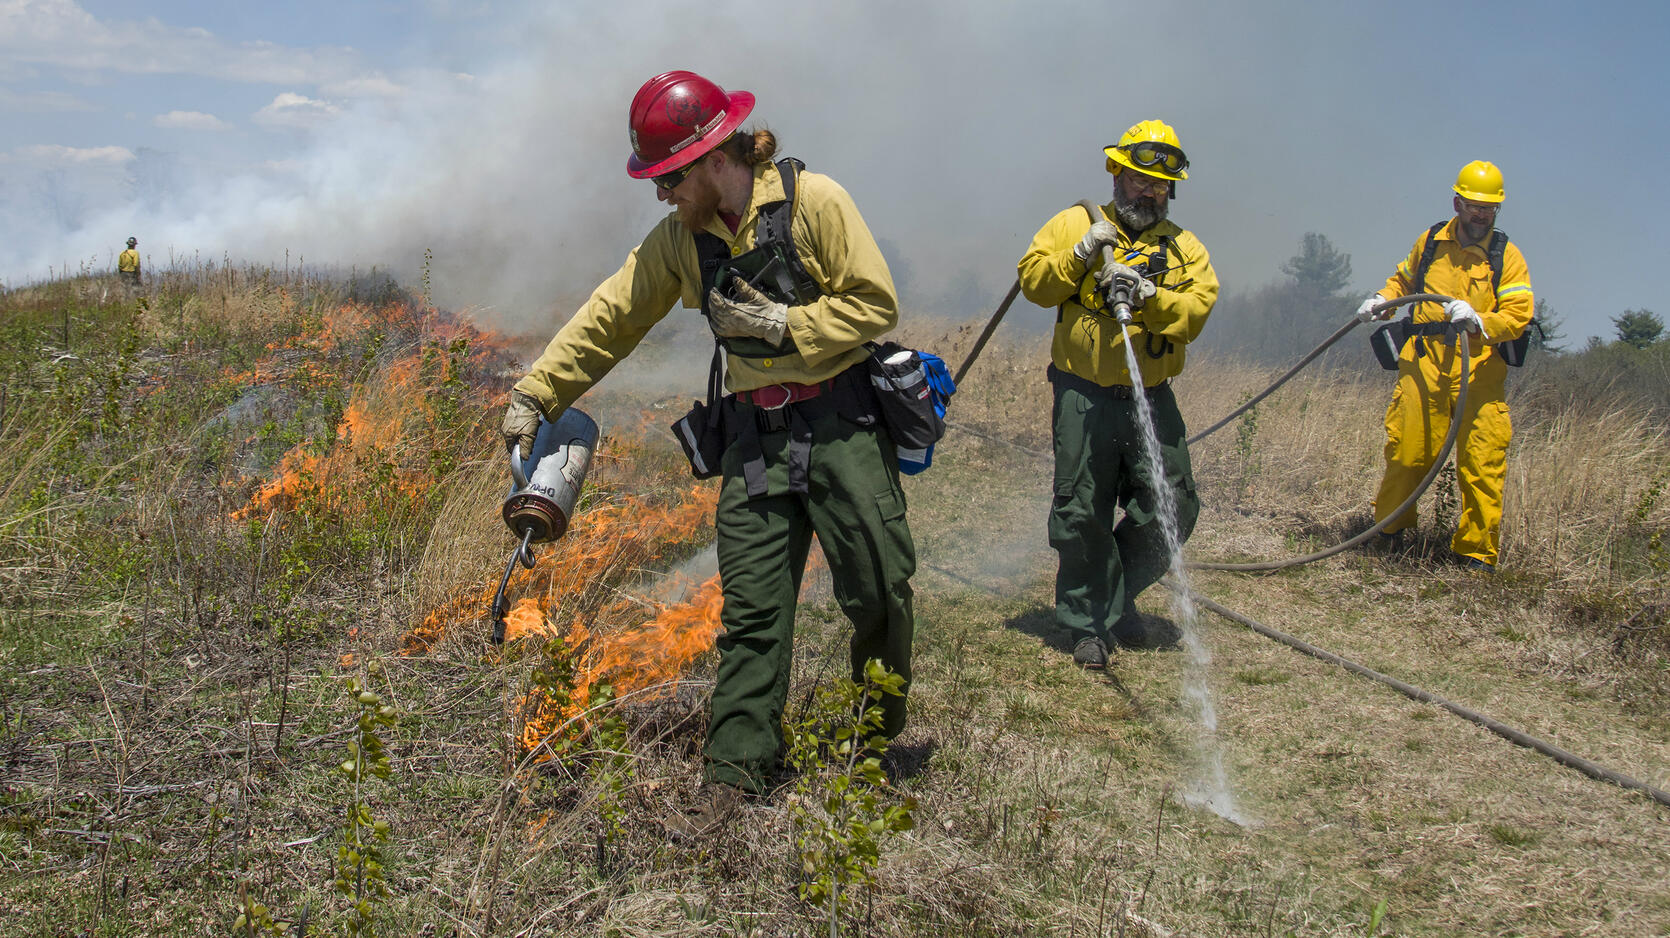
x: 1138, y: 214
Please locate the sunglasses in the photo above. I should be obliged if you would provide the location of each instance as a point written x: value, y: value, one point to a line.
x: 1149, y: 154
x: 671, y: 180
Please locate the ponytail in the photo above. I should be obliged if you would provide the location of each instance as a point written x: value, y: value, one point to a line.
x: 751, y: 147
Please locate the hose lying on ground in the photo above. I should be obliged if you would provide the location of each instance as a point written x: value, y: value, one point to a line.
x: 1381, y: 525
x: 1501, y: 729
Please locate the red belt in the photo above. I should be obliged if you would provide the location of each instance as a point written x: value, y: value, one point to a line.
x: 773, y: 396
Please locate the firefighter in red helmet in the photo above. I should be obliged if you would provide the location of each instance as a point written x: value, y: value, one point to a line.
x: 797, y: 439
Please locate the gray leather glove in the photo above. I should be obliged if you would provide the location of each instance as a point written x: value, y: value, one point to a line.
x: 521, y: 422
x: 1462, y: 314
x: 1100, y: 233
x: 751, y: 315
x: 1366, y: 311
x: 1110, y: 274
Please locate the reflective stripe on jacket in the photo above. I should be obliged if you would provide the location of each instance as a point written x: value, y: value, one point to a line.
x: 1090, y: 343
x: 859, y: 301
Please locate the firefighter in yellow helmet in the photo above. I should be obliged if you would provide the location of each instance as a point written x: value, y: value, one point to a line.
x: 127, y: 263
x: 1469, y: 259
x: 1100, y: 466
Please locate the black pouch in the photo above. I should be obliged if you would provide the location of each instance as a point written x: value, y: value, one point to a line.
x: 1387, y: 342
x: 1513, y: 351
x: 907, y: 407
x: 701, y: 432
x: 772, y: 269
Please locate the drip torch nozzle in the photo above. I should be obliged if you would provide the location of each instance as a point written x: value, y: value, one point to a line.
x: 501, y: 605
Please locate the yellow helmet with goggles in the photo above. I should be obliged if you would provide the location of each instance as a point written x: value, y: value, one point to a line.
x: 1150, y: 148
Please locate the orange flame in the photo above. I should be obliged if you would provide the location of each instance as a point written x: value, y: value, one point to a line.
x: 392, y: 425
x: 613, y: 541
x: 649, y: 656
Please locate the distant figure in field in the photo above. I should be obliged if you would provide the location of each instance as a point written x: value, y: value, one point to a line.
x: 1470, y: 259
x: 127, y: 264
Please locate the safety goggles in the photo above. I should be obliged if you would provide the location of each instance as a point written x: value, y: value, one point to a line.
x: 670, y: 181
x: 1150, y: 155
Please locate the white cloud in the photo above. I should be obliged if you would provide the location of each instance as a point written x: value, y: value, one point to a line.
x: 42, y: 101
x: 61, y: 33
x: 189, y: 120
x: 297, y: 111
x: 53, y: 155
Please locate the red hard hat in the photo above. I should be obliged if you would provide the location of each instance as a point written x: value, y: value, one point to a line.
x: 678, y: 116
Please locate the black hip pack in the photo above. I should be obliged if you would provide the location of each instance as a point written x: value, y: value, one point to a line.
x: 701, y: 432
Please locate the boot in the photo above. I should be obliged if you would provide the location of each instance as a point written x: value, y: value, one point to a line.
x: 1091, y: 654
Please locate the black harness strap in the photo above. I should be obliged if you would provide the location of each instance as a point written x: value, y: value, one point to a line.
x: 775, y: 228
x: 1493, y: 252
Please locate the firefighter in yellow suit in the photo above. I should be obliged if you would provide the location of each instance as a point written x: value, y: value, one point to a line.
x: 1492, y: 306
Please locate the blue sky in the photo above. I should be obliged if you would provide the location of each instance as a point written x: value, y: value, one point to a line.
x: 493, y: 133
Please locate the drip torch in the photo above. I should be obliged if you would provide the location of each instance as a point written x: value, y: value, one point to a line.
x: 544, y: 488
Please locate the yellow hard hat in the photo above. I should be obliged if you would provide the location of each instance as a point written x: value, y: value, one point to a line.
x: 1150, y: 148
x: 1479, y: 181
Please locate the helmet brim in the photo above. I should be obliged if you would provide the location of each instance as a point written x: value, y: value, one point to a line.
x: 1476, y: 196
x: 738, y: 105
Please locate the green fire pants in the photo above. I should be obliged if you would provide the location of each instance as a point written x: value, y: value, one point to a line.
x: 1100, y: 467
x: 854, y: 504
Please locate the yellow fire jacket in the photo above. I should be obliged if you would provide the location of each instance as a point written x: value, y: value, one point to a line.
x: 859, y: 302
x: 1088, y: 342
x: 1464, y: 272
x: 128, y: 261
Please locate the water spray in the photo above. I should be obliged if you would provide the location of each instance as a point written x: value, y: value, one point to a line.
x: 544, y: 489
x: 1197, y: 691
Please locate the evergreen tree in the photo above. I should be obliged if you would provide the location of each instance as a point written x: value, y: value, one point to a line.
x: 1318, y: 266
x: 1638, y: 327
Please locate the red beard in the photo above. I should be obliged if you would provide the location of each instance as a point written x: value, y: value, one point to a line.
x: 699, y: 207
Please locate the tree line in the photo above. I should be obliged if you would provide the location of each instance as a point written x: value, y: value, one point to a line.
x: 1274, y: 323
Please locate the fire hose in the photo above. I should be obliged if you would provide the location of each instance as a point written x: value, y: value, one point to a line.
x: 1571, y: 760
x: 1415, y: 496
x: 1268, y: 566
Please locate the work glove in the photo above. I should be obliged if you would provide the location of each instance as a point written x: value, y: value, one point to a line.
x: 751, y: 315
x: 1100, y: 233
x: 1111, y: 274
x: 521, y: 422
x: 1367, y: 313
x: 1460, y: 313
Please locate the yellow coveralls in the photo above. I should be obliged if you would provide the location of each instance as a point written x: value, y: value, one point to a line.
x: 1423, y: 402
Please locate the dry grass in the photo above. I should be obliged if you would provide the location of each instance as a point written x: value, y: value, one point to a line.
x: 164, y: 747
